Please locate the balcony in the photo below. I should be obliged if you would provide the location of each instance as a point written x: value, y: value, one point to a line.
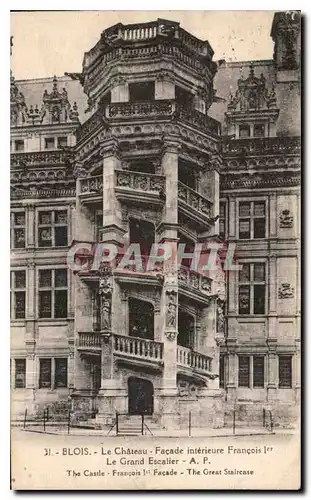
x: 137, y: 351
x: 141, y: 109
x: 90, y: 126
x: 262, y: 146
x: 194, y: 205
x: 189, y: 361
x: 163, y: 109
x: 49, y: 158
x: 140, y: 187
x: 89, y: 342
x: 194, y: 284
x: 91, y: 189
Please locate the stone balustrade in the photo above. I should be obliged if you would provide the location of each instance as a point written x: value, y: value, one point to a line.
x: 89, y: 339
x: 262, y: 146
x: 95, y: 121
x: 140, y: 181
x: 53, y: 157
x: 191, y: 115
x: 163, y: 107
x: 138, y: 348
x: 191, y: 279
x: 194, y: 200
x: 194, y: 360
x: 91, y: 185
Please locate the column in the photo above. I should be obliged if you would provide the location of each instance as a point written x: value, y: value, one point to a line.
x: 30, y: 337
x: 81, y: 229
x: 30, y: 227
x: 233, y: 369
x: 164, y: 86
x: 167, y: 233
x: 272, y: 370
x: 119, y: 90
x: 113, y: 230
x: 30, y: 371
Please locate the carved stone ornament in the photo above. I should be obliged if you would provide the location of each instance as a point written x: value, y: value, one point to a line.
x: 171, y: 335
x: 186, y: 389
x: 171, y: 309
x: 252, y: 94
x: 286, y: 219
x: 79, y: 171
x: 286, y: 291
x: 105, y: 281
x: 165, y: 76
x: 220, y: 317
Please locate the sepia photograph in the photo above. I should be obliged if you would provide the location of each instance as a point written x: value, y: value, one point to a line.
x: 155, y: 213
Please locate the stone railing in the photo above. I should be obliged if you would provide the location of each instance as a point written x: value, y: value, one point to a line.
x: 140, y: 181
x: 140, y: 265
x: 33, y: 192
x: 194, y: 280
x: 262, y: 146
x: 40, y: 158
x: 194, y: 117
x: 89, y: 339
x: 91, y: 125
x: 191, y: 359
x: 142, y: 32
x: 138, y: 348
x: 161, y: 107
x: 194, y: 199
x: 91, y: 185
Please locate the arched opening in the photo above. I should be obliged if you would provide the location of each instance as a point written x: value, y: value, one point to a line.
x: 141, y: 319
x: 185, y: 329
x: 189, y: 248
x: 142, y: 232
x: 140, y: 396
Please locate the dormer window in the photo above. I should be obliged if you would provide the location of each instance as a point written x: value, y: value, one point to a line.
x: 244, y: 131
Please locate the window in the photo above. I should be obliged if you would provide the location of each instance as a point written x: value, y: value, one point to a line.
x: 49, y: 143
x: 19, y: 145
x: 252, y: 220
x: 61, y: 142
x: 20, y: 373
x: 244, y: 131
x: 52, y: 229
x: 53, y: 373
x: 259, y: 130
x: 18, y: 294
x: 141, y: 91
x: 222, y: 371
x: 252, y: 288
x: 244, y: 365
x: 53, y: 293
x: 258, y: 371
x: 251, y: 371
x: 45, y: 375
x: 18, y: 229
x: 222, y: 219
x: 60, y: 372
x: 285, y: 372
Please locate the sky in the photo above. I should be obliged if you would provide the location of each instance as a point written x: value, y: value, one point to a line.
x: 51, y: 43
